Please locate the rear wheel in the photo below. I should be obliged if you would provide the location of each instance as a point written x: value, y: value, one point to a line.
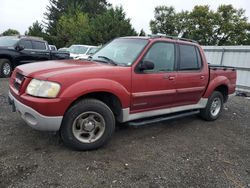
x: 213, y: 108
x: 5, y: 68
x: 87, y: 125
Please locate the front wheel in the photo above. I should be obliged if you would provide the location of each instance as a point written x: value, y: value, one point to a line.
x: 5, y: 68
x: 213, y: 108
x: 87, y: 125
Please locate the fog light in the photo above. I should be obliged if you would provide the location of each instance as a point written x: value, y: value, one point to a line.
x: 30, y: 119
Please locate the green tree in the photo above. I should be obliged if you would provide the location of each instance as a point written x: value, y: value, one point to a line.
x: 181, y: 23
x: 57, y: 8
x: 10, y: 32
x: 247, y: 40
x: 226, y: 26
x: 142, y: 33
x: 109, y: 25
x: 200, y: 25
x: 72, y: 28
x: 164, y: 21
x: 36, y: 30
x: 231, y: 26
x: 85, y: 22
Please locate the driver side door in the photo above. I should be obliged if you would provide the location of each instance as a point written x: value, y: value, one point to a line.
x: 155, y: 89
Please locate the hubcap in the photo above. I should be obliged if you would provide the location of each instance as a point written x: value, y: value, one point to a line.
x: 6, y: 69
x: 88, y: 127
x: 216, y: 106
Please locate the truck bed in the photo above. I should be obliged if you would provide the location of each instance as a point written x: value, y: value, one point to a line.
x: 215, y: 67
x: 219, y: 73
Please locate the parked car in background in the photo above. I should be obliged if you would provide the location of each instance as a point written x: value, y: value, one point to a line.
x: 127, y: 80
x: 82, y: 51
x: 52, y: 48
x: 63, y: 49
x: 17, y: 50
x: 91, y: 52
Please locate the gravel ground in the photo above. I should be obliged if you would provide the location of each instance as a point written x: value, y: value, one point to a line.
x: 187, y: 152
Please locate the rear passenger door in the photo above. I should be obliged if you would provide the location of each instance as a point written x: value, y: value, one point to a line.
x: 192, y: 76
x: 41, y: 51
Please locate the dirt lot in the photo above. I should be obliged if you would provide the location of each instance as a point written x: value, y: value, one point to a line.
x: 187, y: 152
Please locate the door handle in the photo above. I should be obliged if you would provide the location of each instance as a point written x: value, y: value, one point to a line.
x: 202, y: 77
x: 169, y: 77
x: 32, y: 52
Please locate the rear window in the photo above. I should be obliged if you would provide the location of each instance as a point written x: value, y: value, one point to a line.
x: 38, y: 45
x: 189, y: 58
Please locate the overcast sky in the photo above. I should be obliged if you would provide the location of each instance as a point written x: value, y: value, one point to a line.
x: 20, y: 14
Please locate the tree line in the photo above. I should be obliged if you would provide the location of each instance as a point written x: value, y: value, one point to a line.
x: 96, y: 22
x: 225, y: 26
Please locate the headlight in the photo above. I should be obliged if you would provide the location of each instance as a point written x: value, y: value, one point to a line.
x: 40, y: 88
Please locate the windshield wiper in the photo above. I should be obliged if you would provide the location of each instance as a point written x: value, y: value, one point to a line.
x: 109, y: 60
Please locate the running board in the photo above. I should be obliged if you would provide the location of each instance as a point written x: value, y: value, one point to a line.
x: 163, y: 118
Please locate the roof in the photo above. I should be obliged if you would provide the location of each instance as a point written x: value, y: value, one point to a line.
x: 161, y: 36
x: 26, y: 37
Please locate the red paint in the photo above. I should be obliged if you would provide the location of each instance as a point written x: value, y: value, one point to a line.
x: 139, y: 92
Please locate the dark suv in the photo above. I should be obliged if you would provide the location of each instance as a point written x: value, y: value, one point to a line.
x: 17, y: 50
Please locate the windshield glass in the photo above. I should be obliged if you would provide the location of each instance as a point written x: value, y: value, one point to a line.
x: 92, y: 51
x: 75, y: 49
x: 122, y: 51
x: 8, y: 41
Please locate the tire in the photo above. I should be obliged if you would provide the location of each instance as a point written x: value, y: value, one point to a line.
x: 213, y: 108
x: 87, y: 125
x: 5, y: 68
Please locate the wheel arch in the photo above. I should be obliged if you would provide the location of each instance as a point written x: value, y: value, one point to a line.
x: 108, y: 98
x: 221, y: 84
x: 223, y: 89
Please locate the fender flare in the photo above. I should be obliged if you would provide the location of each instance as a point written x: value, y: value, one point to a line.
x: 85, y: 87
x: 216, y: 82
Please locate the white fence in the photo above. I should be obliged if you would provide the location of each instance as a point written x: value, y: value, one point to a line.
x: 236, y: 56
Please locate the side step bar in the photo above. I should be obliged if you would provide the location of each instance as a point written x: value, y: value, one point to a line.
x: 162, y: 118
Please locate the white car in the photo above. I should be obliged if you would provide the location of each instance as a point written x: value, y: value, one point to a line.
x: 52, y: 48
x: 82, y: 51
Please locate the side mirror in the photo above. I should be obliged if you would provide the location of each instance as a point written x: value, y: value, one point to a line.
x: 19, y: 47
x: 147, y: 65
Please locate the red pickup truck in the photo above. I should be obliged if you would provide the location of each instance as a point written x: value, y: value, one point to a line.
x: 132, y: 79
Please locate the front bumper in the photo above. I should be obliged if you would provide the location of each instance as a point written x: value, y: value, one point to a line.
x: 35, y: 119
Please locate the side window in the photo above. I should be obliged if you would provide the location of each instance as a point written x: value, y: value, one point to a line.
x: 39, y: 45
x: 162, y: 55
x: 189, y: 59
x: 26, y: 43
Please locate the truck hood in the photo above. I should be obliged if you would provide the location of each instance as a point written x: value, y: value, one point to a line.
x: 48, y: 69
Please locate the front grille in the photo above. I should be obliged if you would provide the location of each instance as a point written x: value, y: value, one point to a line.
x: 18, y: 81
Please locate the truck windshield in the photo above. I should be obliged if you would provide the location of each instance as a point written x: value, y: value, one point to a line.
x: 8, y: 41
x: 77, y: 49
x: 122, y: 51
